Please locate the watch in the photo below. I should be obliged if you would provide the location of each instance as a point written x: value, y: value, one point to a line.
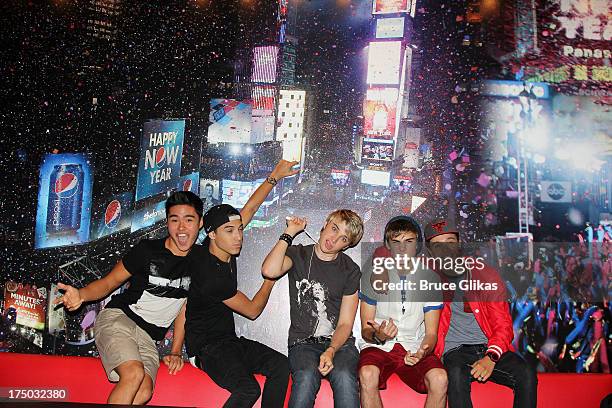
x: 272, y: 180
x: 494, y: 358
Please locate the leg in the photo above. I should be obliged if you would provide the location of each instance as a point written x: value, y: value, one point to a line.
x: 437, y: 384
x: 304, y: 363
x: 343, y: 377
x: 512, y: 371
x: 368, y: 385
x: 225, y: 365
x: 131, y: 375
x: 264, y: 360
x: 457, y: 363
x: 145, y: 392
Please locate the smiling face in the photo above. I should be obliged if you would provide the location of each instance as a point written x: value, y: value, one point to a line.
x: 334, y: 237
x: 183, y: 227
x: 228, y: 237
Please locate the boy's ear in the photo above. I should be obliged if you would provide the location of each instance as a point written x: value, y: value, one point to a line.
x: 212, y: 235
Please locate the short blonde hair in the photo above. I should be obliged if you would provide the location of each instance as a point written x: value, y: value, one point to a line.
x: 354, y: 224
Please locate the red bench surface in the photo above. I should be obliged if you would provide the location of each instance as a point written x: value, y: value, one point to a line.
x: 85, y: 381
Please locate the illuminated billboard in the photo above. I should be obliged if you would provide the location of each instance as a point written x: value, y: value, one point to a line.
x: 340, y: 177
x: 379, y: 112
x: 375, y: 177
x: 390, y: 27
x: 236, y: 193
x: 377, y: 149
x: 390, y: 6
x: 63, y: 214
x: 264, y: 102
x: 161, y: 151
x: 148, y: 216
x: 230, y: 121
x: 112, y: 215
x: 573, y: 42
x: 384, y: 63
x: 264, y: 64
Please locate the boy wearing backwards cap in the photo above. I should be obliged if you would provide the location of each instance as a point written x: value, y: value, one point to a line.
x: 475, y: 333
x: 323, y: 285
x: 400, y: 329
x: 211, y: 338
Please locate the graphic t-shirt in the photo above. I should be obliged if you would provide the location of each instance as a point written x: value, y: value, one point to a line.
x: 209, y: 320
x: 158, y: 287
x: 316, y: 289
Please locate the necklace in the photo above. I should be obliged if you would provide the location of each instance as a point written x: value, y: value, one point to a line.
x: 310, y: 263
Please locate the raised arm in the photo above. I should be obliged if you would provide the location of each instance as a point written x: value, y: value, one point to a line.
x: 251, y: 308
x: 282, y: 169
x: 73, y: 298
x: 277, y: 263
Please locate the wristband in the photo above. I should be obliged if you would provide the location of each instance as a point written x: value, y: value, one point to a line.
x: 272, y: 180
x: 287, y: 238
x: 494, y: 357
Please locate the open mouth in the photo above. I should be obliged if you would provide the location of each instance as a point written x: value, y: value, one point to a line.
x: 328, y: 246
x: 183, y: 239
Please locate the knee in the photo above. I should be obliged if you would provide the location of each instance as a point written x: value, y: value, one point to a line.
x: 306, y: 378
x: 131, y: 372
x: 528, y: 378
x: 281, y: 368
x: 436, y: 381
x: 369, y: 376
x: 456, y: 375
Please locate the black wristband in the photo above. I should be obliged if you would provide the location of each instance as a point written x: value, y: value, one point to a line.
x: 377, y: 341
x: 287, y: 238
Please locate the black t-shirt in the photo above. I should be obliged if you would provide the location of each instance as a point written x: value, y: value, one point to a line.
x: 208, y: 319
x: 315, y: 298
x: 158, y: 287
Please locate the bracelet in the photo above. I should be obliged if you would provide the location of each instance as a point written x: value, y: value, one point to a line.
x: 272, y: 180
x: 175, y: 354
x: 332, y: 347
x: 287, y: 238
x: 376, y: 340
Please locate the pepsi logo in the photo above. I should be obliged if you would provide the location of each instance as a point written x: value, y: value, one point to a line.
x: 66, y: 185
x: 112, y: 214
x: 187, y: 184
x: 160, y: 156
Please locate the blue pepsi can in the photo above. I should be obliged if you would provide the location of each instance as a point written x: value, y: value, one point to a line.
x: 65, y: 199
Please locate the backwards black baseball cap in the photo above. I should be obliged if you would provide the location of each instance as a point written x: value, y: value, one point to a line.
x: 219, y: 215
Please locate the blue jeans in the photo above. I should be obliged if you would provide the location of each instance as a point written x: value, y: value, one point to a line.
x: 511, y: 370
x: 304, y: 366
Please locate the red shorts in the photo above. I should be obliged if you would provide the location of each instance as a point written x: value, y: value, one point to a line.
x: 393, y: 362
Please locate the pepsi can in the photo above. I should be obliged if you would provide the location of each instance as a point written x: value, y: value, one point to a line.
x: 65, y: 199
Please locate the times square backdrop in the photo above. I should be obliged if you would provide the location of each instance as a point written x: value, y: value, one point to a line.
x: 492, y: 113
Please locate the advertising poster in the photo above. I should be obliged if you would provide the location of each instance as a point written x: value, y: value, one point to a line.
x: 28, y: 302
x: 340, y: 177
x: 379, y: 112
x: 64, y: 200
x: 209, y: 193
x: 149, y: 215
x: 237, y: 193
x: 113, y: 215
x: 573, y: 39
x: 230, y: 121
x: 190, y: 182
x: 160, y: 157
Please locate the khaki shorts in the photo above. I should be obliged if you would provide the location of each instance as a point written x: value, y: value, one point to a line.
x: 120, y: 339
